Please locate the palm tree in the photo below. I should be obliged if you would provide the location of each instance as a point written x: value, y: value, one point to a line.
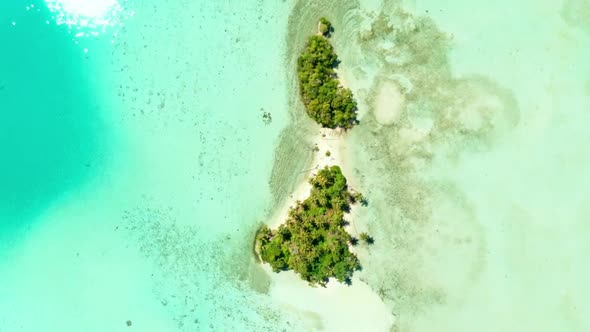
x: 364, y: 201
x: 367, y: 238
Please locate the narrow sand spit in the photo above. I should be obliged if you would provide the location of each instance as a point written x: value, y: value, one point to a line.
x: 326, y: 140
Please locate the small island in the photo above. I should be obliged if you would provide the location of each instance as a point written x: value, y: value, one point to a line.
x: 328, y: 103
x: 313, y: 241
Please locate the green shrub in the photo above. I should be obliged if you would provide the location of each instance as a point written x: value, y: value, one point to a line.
x: 324, y: 27
x: 367, y: 238
x: 326, y: 102
x: 313, y: 241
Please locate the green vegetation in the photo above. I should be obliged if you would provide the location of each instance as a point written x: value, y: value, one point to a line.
x: 328, y: 103
x: 358, y: 197
x: 266, y: 118
x: 313, y: 241
x: 325, y: 27
x: 328, y: 153
x: 367, y: 238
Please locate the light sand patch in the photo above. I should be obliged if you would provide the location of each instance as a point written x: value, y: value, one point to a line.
x: 484, y: 107
x: 576, y: 13
x: 388, y: 103
x: 336, y: 307
x: 475, y: 115
x: 326, y: 140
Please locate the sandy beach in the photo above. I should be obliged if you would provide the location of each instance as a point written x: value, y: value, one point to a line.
x: 335, y: 307
x: 325, y: 140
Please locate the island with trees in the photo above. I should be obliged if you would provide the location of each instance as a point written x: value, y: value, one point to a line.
x: 326, y: 101
x: 313, y: 241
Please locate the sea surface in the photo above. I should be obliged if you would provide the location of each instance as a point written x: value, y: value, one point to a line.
x: 136, y: 162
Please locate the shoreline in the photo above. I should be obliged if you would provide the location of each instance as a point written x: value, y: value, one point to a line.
x: 325, y: 140
x: 335, y: 307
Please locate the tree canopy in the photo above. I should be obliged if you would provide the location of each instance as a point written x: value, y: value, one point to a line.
x: 313, y: 241
x: 324, y: 27
x: 328, y: 103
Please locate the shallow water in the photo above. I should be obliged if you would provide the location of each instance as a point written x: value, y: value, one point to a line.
x: 158, y: 232
x: 478, y: 191
x: 135, y: 174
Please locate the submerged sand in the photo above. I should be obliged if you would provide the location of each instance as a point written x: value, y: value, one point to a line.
x: 388, y: 103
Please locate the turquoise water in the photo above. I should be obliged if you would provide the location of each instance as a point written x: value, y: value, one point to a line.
x: 136, y: 164
x: 148, y: 161
x: 50, y: 123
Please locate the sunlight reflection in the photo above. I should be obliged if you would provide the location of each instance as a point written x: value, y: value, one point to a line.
x: 89, y: 17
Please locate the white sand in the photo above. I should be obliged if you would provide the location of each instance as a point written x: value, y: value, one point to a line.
x: 336, y: 307
x: 331, y: 142
x: 388, y: 103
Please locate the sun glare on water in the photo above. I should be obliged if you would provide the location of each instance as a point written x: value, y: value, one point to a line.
x: 90, y: 17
